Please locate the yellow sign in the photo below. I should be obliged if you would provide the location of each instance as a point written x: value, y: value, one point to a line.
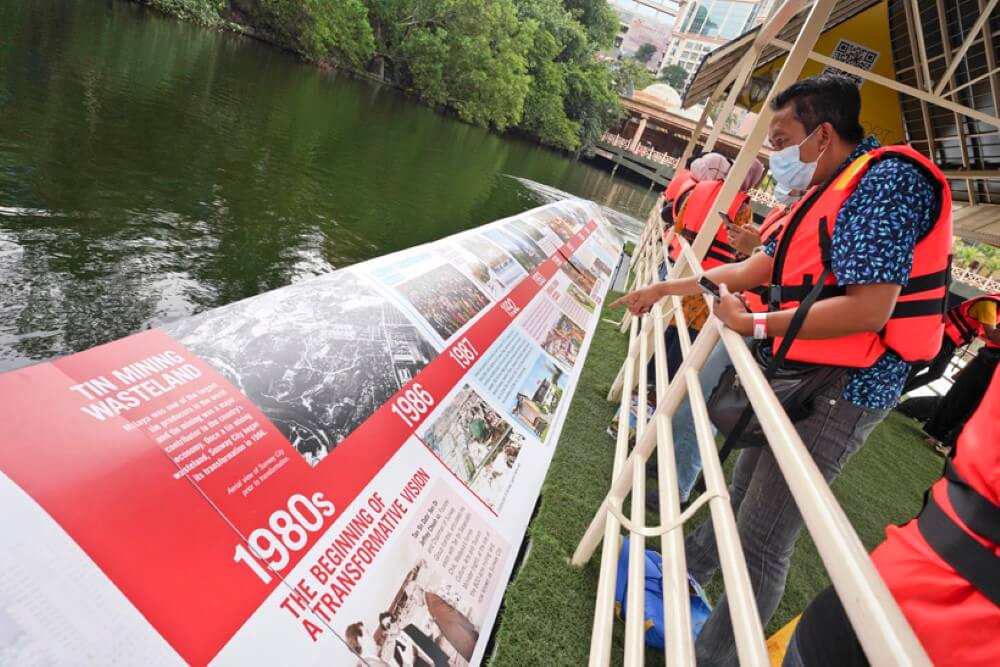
x: 862, y: 41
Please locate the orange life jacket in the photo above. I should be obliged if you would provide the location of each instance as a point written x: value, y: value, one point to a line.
x: 962, y: 328
x: 696, y: 211
x: 682, y: 183
x: 915, y: 328
x: 938, y: 567
x: 769, y: 229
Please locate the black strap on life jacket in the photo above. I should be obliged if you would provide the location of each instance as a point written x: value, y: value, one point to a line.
x: 975, y: 563
x: 965, y: 329
x: 925, y: 283
x: 778, y: 294
x: 798, y: 317
x: 979, y: 514
x: 717, y: 250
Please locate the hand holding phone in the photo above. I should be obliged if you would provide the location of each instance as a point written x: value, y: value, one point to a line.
x: 708, y: 287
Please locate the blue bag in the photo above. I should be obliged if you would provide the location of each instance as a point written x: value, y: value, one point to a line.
x: 700, y: 609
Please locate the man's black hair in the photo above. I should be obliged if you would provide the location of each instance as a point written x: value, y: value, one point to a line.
x: 383, y: 615
x: 826, y: 98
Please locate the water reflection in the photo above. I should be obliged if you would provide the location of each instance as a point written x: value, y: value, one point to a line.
x: 150, y: 170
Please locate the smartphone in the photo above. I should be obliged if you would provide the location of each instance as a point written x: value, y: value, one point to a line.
x: 725, y: 216
x: 709, y: 287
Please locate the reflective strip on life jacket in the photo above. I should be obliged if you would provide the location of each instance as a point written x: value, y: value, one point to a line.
x: 916, y: 326
x: 962, y: 328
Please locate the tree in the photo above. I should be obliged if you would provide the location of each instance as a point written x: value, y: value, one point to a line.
x: 600, y: 21
x: 466, y: 54
x: 675, y: 76
x: 631, y: 76
x: 318, y: 29
x: 644, y: 53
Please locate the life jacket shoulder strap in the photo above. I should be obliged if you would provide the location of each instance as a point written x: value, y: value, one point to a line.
x: 977, y: 564
x: 970, y: 559
x: 976, y: 511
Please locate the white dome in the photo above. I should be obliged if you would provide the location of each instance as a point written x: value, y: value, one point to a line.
x: 670, y: 98
x: 665, y: 97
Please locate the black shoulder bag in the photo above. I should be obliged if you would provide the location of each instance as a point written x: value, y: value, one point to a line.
x: 795, y: 384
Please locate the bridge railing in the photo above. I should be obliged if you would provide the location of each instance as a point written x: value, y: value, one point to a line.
x: 881, y: 627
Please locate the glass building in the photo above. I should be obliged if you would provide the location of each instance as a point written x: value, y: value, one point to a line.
x: 704, y: 25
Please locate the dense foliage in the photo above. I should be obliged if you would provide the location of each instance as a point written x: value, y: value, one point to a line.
x: 675, y: 76
x: 509, y: 64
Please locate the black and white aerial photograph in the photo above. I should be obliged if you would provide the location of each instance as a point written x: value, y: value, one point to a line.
x: 318, y: 357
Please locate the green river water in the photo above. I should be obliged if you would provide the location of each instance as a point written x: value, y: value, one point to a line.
x: 151, y: 169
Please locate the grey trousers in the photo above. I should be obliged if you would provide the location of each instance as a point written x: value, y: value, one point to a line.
x: 767, y: 517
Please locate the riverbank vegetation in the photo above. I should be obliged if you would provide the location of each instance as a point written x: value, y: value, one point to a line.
x: 523, y: 65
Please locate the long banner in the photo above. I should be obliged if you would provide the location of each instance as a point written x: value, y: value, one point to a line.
x: 337, y: 472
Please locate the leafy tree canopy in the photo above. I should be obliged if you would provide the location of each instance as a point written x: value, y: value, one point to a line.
x: 645, y: 52
x: 675, y: 76
x: 524, y: 64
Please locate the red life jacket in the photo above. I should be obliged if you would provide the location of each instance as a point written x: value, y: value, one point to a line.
x: 681, y: 184
x: 755, y: 297
x: 925, y: 563
x: 915, y: 328
x: 962, y: 328
x: 696, y: 210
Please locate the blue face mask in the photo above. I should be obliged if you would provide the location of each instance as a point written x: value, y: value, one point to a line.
x: 784, y: 195
x: 788, y: 169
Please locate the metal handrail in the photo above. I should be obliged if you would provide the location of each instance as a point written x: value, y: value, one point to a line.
x: 881, y: 627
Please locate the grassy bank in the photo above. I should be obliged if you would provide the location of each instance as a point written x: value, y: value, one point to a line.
x: 549, y: 604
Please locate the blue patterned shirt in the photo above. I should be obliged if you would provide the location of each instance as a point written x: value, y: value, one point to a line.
x: 873, y: 240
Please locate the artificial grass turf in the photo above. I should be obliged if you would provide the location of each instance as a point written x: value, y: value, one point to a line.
x: 549, y: 604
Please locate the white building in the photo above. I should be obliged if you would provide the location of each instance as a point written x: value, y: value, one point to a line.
x: 705, y: 25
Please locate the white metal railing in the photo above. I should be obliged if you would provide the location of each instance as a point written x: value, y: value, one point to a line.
x: 970, y: 277
x: 647, y: 152
x: 881, y: 628
x: 763, y: 197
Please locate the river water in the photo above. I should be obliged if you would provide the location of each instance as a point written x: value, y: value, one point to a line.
x: 151, y: 169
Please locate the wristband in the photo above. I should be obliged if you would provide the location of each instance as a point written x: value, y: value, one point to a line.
x: 759, y: 326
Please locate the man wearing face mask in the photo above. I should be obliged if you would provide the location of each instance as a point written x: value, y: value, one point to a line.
x: 874, y: 228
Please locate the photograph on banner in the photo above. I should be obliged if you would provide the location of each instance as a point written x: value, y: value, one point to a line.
x: 502, y: 265
x: 488, y: 280
x: 593, y: 257
x: 441, y: 294
x: 555, y: 220
x: 428, y: 603
x: 527, y: 235
x: 571, y: 299
x: 317, y: 357
x: 582, y: 212
x: 521, y: 248
x: 526, y: 381
x: 582, y: 277
x: 544, y: 321
x: 576, y: 211
x: 543, y: 237
x: 476, y: 442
